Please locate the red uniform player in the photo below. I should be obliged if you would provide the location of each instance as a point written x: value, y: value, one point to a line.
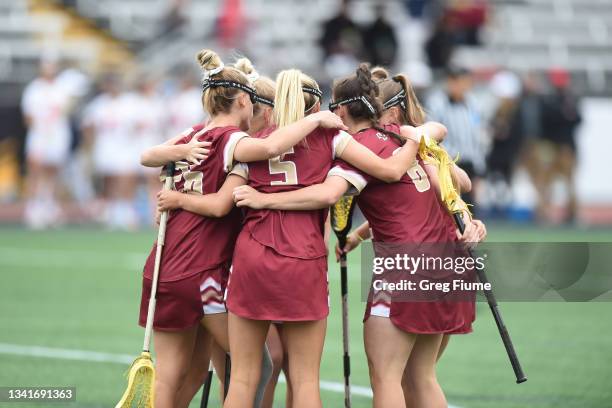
x: 197, y: 250
x: 411, y: 214
x: 280, y: 271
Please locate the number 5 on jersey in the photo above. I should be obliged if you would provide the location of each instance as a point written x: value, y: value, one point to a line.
x: 285, y: 167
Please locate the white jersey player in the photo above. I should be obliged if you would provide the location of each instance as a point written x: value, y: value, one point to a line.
x: 109, y: 122
x: 45, y: 105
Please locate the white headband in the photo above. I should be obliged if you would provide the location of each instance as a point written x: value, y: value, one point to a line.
x: 209, y: 73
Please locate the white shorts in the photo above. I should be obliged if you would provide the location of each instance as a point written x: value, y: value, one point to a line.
x: 51, y: 149
x: 116, y: 156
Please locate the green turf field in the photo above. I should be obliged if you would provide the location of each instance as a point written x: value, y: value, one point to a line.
x: 79, y: 289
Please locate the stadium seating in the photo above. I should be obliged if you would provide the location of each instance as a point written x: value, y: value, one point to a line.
x: 538, y: 34
x: 19, y: 50
x: 287, y: 29
x: 522, y: 34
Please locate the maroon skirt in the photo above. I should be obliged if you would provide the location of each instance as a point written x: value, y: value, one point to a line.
x: 265, y: 285
x: 454, y: 317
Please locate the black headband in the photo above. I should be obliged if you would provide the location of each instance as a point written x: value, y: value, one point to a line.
x: 214, y: 83
x: 312, y: 91
x: 361, y: 98
x: 265, y: 101
x: 397, y: 99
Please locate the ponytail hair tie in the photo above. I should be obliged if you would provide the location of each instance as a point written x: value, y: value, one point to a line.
x: 215, y: 71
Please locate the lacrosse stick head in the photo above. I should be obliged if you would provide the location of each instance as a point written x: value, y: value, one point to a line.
x: 342, y: 217
x: 141, y: 380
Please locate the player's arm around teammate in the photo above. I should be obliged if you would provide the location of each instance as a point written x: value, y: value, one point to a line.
x: 218, y: 204
x: 474, y: 232
x: 247, y: 149
x: 197, y: 251
x: 323, y: 195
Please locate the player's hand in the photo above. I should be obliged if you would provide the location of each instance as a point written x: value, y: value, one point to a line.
x: 196, y: 151
x: 168, y: 200
x: 415, y: 134
x: 330, y: 120
x: 408, y: 132
x: 470, y: 236
x: 246, y: 196
x: 481, y: 230
x: 352, y: 242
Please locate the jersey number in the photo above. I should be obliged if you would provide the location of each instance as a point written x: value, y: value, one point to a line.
x: 285, y: 167
x: 418, y: 175
x: 193, y: 179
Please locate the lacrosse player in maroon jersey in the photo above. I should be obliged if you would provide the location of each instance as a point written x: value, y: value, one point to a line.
x: 198, y: 250
x: 400, y: 106
x: 169, y: 199
x: 262, y: 119
x: 403, y: 212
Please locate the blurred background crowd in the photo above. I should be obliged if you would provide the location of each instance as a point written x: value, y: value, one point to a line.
x: 524, y: 87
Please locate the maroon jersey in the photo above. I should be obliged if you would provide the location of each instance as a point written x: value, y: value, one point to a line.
x: 297, y: 234
x: 406, y: 211
x: 195, y: 243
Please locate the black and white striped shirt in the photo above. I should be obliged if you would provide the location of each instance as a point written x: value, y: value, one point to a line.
x: 465, y: 125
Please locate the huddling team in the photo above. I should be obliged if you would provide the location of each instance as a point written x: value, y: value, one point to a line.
x: 235, y: 279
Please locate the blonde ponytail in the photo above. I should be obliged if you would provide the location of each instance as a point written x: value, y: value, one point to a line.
x: 398, y: 91
x: 289, y: 104
x: 414, y: 112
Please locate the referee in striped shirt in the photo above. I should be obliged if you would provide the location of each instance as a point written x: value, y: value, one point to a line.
x: 458, y: 111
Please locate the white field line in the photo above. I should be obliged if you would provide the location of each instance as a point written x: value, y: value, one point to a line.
x: 99, y: 357
x: 60, y: 258
x: 65, y: 354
